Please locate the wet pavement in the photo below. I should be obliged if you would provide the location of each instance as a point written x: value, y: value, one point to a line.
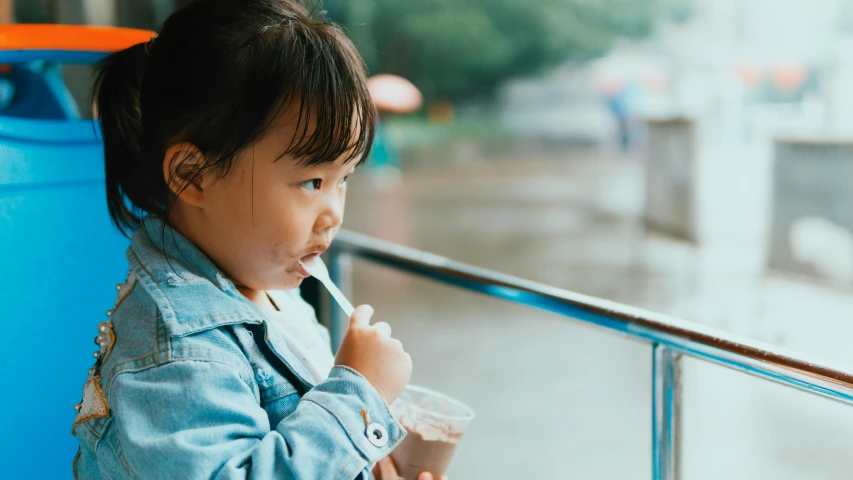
x: 557, y: 399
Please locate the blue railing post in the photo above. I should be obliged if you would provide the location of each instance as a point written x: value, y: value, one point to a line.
x: 666, y: 390
x: 340, y: 271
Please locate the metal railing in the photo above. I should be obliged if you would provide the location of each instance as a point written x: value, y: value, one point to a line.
x: 670, y: 338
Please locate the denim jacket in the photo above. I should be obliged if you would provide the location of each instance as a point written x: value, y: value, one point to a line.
x: 193, y: 381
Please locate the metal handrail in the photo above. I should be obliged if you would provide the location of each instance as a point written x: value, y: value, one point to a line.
x: 670, y: 337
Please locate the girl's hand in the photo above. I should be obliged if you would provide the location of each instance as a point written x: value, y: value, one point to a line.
x: 372, y: 352
x: 385, y: 470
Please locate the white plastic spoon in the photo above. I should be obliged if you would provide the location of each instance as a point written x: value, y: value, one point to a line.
x: 318, y: 270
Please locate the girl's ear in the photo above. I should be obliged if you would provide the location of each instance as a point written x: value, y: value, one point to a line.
x: 184, y: 174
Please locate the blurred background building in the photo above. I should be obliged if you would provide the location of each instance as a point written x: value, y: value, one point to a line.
x: 691, y: 157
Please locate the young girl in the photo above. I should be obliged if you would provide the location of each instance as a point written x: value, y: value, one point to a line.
x: 228, y: 140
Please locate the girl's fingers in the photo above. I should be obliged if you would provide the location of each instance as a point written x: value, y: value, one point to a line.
x: 383, y: 328
x: 385, y: 470
x: 361, y: 316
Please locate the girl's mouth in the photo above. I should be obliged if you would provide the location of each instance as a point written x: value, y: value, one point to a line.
x: 309, y: 259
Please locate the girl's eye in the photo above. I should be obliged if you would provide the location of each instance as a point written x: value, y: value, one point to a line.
x: 344, y: 181
x: 311, y: 185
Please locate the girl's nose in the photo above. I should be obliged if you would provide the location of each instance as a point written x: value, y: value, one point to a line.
x: 332, y: 216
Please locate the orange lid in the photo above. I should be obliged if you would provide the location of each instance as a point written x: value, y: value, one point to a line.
x: 70, y: 37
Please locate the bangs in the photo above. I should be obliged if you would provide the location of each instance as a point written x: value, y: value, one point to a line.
x: 318, y: 74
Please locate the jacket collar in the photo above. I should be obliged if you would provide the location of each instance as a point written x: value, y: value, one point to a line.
x: 190, y: 290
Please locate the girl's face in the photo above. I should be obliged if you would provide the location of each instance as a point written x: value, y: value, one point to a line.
x: 267, y: 213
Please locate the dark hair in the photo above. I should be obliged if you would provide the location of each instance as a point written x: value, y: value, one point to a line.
x: 218, y: 73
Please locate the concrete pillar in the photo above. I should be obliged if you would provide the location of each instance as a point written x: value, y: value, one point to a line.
x: 812, y: 208
x: 68, y: 12
x: 671, y: 178
x: 100, y: 12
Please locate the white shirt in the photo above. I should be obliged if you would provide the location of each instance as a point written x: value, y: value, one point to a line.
x: 304, y: 336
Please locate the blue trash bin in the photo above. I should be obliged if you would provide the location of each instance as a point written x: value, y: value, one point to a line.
x: 60, y: 258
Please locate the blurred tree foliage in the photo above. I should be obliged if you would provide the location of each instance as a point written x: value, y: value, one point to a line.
x: 33, y: 11
x: 456, y: 49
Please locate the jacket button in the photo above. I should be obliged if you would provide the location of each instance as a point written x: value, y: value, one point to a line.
x: 377, y: 435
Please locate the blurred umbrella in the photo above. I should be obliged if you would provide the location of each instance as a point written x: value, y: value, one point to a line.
x: 392, y: 93
x: 749, y: 75
x: 789, y: 77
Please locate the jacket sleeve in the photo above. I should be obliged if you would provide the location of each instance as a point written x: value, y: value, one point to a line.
x: 201, y: 419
